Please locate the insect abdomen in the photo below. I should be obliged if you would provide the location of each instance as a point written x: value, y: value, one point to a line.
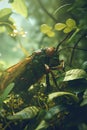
x: 30, y: 70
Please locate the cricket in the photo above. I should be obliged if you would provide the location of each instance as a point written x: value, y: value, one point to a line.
x: 31, y: 69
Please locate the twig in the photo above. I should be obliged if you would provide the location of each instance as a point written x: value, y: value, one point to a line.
x: 62, y: 41
x: 72, y: 54
x: 58, y: 8
x: 77, y: 48
x: 46, y: 11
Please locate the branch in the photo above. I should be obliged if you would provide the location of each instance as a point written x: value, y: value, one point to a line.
x: 61, y: 42
x: 73, y: 51
x: 46, y: 11
x: 77, y: 48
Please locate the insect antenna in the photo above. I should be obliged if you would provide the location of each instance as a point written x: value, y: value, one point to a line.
x: 61, y: 42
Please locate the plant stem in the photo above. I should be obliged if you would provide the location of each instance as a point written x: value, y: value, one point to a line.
x: 73, y: 51
x: 46, y: 11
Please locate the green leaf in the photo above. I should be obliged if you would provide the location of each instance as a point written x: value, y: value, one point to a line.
x: 5, y: 20
x: 71, y: 23
x: 50, y: 33
x: 5, y: 13
x: 45, y: 28
x: 42, y: 126
x: 68, y: 27
x: 52, y: 112
x: 60, y: 26
x: 67, y: 30
x: 51, y: 117
x: 20, y: 7
x: 76, y: 86
x: 6, y: 92
x: 27, y: 113
x: 54, y: 95
x: 75, y: 74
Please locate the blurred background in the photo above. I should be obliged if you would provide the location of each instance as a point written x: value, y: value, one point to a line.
x: 21, y: 35
x: 28, y: 16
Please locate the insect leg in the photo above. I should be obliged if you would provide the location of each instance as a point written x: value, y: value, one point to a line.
x: 54, y: 80
x: 48, y: 70
x: 47, y: 78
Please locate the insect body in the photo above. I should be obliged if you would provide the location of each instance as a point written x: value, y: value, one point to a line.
x: 30, y: 70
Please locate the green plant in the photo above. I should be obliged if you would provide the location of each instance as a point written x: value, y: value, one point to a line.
x: 43, y: 92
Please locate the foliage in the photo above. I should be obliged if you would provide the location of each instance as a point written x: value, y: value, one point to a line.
x: 5, y: 94
x: 44, y: 92
x: 19, y: 7
x: 7, y: 12
x: 67, y: 27
x: 47, y: 30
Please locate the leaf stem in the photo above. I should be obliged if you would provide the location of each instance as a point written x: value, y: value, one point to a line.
x: 5, y: 23
x: 46, y: 11
x: 73, y: 51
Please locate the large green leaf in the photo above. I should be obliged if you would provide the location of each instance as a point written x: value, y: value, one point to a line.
x: 6, y: 92
x: 5, y: 13
x: 55, y: 95
x: 20, y: 7
x: 75, y: 74
x: 27, y: 113
x: 51, y: 116
x: 76, y: 86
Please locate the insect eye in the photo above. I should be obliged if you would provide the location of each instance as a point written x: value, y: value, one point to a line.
x: 54, y: 61
x: 50, y: 51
